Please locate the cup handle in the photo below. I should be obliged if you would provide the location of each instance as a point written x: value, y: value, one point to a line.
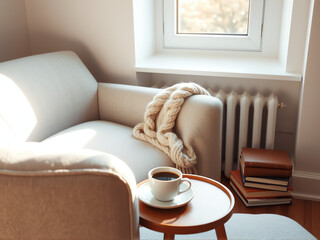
x: 185, y: 180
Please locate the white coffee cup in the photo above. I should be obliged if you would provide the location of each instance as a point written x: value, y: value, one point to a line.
x: 165, y: 183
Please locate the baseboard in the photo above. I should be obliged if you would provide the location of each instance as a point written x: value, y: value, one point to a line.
x: 306, y: 185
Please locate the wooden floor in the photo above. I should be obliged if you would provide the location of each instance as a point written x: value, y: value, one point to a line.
x: 305, y: 212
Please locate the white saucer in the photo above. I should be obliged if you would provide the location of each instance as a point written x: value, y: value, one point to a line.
x: 146, y: 197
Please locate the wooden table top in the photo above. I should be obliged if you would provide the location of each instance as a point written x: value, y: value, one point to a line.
x: 210, y: 207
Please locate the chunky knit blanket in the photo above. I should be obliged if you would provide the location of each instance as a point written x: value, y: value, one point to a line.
x: 159, y: 120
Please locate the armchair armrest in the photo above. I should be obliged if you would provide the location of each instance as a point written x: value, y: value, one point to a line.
x: 50, y: 193
x: 198, y: 124
x: 124, y: 104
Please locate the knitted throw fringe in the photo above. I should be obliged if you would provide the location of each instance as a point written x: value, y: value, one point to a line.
x: 170, y: 100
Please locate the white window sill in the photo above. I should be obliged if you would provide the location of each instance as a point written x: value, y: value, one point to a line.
x: 235, y: 67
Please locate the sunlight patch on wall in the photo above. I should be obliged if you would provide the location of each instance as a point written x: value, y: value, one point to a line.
x: 17, y: 118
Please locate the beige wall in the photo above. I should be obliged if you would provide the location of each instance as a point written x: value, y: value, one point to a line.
x: 308, y: 139
x: 307, y: 161
x: 14, y: 39
x: 100, y: 31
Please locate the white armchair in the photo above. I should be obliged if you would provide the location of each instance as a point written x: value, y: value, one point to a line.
x: 68, y: 160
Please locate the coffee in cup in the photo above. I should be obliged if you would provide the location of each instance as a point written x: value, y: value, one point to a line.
x: 165, y: 183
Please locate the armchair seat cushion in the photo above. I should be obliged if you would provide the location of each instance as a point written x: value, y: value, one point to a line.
x: 115, y: 139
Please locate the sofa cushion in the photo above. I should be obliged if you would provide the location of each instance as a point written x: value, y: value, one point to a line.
x: 115, y: 139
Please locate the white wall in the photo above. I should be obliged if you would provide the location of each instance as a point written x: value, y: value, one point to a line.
x: 14, y: 39
x: 307, y: 159
x: 100, y: 31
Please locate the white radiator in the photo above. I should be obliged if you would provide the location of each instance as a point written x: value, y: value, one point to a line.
x: 244, y: 102
x: 242, y: 111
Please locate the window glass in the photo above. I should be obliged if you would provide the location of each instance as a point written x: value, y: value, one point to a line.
x: 213, y: 17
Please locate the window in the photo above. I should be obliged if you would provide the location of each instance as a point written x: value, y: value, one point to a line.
x: 277, y: 52
x: 213, y: 24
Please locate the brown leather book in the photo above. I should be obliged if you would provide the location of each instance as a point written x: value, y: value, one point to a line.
x: 265, y: 162
x: 248, y: 192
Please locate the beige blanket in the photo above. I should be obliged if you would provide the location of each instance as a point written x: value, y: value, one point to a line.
x: 159, y: 120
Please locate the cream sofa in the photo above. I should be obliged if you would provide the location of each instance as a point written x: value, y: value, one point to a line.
x: 68, y: 160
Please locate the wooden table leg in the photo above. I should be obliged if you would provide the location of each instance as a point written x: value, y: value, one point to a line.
x: 168, y: 236
x: 221, y: 232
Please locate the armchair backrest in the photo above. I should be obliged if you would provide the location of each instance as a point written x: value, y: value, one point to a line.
x: 43, y: 94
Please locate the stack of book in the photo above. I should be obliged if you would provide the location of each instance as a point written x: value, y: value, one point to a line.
x: 263, y: 178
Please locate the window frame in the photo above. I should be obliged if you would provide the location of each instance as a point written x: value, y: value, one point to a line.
x: 250, y: 42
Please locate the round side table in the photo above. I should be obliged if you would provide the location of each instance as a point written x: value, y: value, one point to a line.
x: 209, y: 209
